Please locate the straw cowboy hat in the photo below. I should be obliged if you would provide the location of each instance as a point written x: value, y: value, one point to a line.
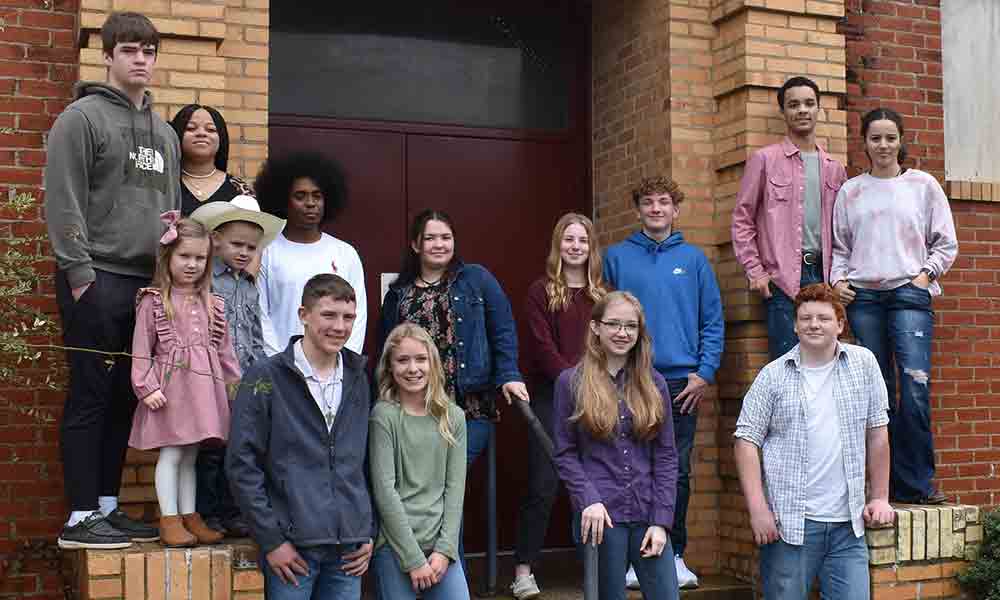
x: 240, y: 208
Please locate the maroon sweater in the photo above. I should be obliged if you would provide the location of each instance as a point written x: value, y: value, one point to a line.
x: 555, y: 340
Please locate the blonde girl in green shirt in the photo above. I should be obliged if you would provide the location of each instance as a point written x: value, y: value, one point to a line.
x: 416, y: 450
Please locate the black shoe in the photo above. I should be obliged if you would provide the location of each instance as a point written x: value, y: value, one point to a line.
x: 936, y: 497
x: 137, y: 531
x: 93, y: 532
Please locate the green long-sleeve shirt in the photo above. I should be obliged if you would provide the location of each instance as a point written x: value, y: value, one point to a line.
x: 418, y: 481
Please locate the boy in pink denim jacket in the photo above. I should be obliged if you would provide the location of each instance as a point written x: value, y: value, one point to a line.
x: 783, y: 220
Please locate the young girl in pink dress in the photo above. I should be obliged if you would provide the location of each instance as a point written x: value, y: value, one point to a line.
x: 183, y: 359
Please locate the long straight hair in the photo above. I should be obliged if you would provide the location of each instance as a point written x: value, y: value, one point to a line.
x: 596, y: 397
x: 556, y: 288
x: 436, y: 399
x: 187, y: 229
x: 183, y: 117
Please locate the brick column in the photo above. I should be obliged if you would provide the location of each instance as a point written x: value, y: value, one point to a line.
x: 759, y: 45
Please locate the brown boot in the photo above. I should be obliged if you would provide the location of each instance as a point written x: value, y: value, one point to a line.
x: 174, y: 534
x: 204, y: 533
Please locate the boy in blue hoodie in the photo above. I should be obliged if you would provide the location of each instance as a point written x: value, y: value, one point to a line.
x: 680, y: 295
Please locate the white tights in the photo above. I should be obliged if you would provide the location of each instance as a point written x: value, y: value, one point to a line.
x: 175, y: 479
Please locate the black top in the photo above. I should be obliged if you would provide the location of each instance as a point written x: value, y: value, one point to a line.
x: 231, y: 187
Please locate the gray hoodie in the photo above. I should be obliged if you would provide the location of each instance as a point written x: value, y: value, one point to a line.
x: 111, y: 171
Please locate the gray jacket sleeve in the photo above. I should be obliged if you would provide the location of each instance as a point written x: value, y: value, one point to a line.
x: 71, y: 148
x: 249, y: 436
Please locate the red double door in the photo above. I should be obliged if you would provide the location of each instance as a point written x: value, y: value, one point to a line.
x: 504, y: 192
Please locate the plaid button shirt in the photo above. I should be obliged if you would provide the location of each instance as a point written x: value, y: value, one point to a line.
x: 773, y: 418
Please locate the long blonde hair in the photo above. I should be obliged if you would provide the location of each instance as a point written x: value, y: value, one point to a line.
x: 187, y: 229
x: 556, y: 288
x: 596, y: 397
x: 436, y: 399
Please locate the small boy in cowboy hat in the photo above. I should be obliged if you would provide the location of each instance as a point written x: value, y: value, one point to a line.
x: 240, y: 231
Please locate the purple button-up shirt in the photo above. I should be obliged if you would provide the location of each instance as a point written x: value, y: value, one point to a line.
x: 635, y: 480
x: 770, y: 211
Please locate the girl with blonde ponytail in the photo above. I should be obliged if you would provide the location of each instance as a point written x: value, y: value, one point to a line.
x: 416, y: 452
x: 615, y: 450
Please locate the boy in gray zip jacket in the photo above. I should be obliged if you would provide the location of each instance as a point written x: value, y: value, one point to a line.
x: 296, y: 459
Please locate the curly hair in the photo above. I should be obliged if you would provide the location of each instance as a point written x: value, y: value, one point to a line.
x: 820, y: 292
x: 276, y: 176
x: 658, y: 185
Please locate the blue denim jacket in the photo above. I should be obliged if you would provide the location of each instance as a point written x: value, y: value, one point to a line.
x: 484, y: 326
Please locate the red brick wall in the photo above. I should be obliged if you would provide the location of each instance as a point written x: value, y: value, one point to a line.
x: 38, y: 66
x: 894, y: 60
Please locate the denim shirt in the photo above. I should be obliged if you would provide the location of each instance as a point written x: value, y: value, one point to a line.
x: 239, y: 291
x: 484, y: 324
x: 636, y: 480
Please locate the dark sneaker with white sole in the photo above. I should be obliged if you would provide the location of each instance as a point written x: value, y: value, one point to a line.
x: 93, y: 532
x: 137, y: 531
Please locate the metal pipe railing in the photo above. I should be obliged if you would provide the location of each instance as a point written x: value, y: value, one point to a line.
x: 590, y: 564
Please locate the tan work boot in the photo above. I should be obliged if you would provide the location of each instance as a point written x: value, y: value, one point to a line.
x: 174, y: 534
x: 205, y: 534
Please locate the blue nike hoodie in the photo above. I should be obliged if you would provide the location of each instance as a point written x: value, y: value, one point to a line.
x: 680, y: 297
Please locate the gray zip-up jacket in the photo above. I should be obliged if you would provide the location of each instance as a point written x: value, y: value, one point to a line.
x: 294, y: 480
x: 111, y: 171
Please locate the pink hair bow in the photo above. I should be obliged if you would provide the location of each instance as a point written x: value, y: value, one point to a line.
x: 169, y: 219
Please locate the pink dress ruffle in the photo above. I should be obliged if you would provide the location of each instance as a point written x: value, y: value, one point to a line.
x: 193, y: 362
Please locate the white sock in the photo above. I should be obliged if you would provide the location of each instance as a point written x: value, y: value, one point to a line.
x: 167, y: 472
x: 187, y: 484
x: 108, y: 504
x: 78, y: 515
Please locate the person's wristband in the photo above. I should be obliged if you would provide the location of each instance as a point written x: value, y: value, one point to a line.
x: 930, y: 274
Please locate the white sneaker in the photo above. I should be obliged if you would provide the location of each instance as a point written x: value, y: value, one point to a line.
x: 524, y: 587
x: 685, y: 578
x: 631, y: 581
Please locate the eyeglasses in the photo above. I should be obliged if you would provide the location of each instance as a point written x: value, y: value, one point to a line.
x: 630, y: 327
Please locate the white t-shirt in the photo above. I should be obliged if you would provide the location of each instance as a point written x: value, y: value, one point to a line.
x: 826, y: 478
x: 285, y: 268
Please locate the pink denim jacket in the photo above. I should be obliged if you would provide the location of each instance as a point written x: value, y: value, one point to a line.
x: 767, y: 219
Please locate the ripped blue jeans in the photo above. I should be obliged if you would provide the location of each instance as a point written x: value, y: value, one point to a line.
x: 898, y: 327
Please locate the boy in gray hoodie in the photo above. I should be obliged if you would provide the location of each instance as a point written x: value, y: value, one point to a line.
x: 113, y: 168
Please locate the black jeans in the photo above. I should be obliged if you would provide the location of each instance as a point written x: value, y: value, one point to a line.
x: 97, y: 417
x: 685, y: 427
x: 543, y: 484
x: 214, y: 498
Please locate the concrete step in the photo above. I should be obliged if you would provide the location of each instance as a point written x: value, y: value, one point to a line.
x: 560, y: 577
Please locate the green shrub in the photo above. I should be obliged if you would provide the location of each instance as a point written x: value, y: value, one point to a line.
x: 982, y: 579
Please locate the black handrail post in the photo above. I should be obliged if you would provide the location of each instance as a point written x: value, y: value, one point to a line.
x: 490, y: 588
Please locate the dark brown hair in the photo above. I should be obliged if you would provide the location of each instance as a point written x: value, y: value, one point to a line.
x: 820, y: 292
x: 884, y: 114
x: 127, y: 28
x: 658, y: 185
x: 327, y: 285
x: 410, y: 270
x: 796, y: 82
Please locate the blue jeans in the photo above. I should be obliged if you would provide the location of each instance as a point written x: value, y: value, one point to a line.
x: 831, y: 551
x: 392, y: 583
x: 781, y: 312
x: 477, y: 434
x: 685, y: 427
x: 898, y: 327
x: 657, y: 575
x: 325, y: 581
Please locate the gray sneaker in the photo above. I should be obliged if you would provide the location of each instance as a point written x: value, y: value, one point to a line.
x: 524, y: 587
x: 137, y: 531
x: 93, y: 532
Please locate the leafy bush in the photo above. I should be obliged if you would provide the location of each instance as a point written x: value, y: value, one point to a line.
x: 982, y: 579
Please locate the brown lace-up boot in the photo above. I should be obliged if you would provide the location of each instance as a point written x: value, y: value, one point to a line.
x: 174, y: 534
x: 205, y: 534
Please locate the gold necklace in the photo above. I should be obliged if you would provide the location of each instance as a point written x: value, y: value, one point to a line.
x: 190, y: 181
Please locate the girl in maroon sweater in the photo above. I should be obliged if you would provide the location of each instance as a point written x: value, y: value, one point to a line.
x: 558, y: 310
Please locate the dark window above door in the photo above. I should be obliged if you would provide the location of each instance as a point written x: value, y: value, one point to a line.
x: 507, y: 66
